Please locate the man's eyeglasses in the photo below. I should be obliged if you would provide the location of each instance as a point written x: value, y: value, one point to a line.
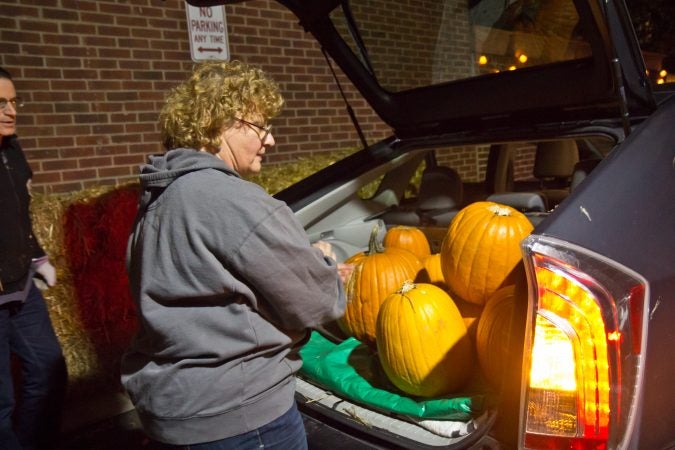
x: 266, y: 129
x: 17, y: 102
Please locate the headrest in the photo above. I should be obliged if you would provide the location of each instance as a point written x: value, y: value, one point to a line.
x: 555, y: 159
x: 522, y: 201
x: 440, y: 188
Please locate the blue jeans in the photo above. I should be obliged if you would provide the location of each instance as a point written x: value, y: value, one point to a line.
x: 285, y: 433
x: 26, y: 331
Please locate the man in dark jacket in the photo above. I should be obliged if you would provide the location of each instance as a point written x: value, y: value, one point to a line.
x: 25, y: 327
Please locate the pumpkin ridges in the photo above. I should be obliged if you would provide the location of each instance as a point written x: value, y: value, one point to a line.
x: 422, y: 342
x: 377, y: 273
x: 408, y: 238
x: 481, y: 248
x: 496, y: 225
x: 493, y: 332
x: 411, y: 339
x: 354, y: 309
x: 415, y: 337
x: 480, y: 259
x: 470, y: 253
x: 472, y: 220
x: 374, y: 280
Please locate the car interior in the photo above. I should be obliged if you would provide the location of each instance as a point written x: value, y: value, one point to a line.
x: 427, y: 187
x: 555, y: 169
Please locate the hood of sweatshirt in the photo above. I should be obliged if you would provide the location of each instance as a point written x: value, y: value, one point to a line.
x: 162, y: 170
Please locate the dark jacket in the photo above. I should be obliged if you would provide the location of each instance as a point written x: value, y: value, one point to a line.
x: 18, y: 245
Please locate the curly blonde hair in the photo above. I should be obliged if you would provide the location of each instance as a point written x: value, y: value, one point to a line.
x: 197, y: 110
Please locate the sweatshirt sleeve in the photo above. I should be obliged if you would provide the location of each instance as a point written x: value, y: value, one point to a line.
x: 298, y: 287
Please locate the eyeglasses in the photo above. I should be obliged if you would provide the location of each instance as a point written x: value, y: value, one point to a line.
x: 17, y: 102
x: 266, y: 129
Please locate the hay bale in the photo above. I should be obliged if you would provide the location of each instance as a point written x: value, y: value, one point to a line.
x: 84, y: 366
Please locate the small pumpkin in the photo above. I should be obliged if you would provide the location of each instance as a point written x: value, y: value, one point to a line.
x: 492, y: 334
x: 377, y: 273
x: 422, y: 342
x: 481, y: 249
x: 431, y: 271
x: 408, y: 238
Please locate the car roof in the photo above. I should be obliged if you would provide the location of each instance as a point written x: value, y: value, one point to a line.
x: 404, y: 62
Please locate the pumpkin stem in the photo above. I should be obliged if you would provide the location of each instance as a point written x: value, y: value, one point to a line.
x: 374, y: 246
x: 408, y: 286
x: 499, y: 210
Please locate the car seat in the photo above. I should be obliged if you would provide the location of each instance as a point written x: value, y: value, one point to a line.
x: 581, y: 171
x: 440, y: 197
x: 438, y: 201
x: 499, y: 174
x: 554, y: 163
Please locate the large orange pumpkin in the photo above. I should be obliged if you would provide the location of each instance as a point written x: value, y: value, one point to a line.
x: 408, y: 238
x: 481, y: 248
x: 492, y: 334
x: 422, y: 342
x: 377, y: 273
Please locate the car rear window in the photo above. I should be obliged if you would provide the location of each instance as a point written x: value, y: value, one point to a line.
x: 424, y: 42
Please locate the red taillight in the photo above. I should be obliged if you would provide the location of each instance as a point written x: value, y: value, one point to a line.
x: 583, y: 350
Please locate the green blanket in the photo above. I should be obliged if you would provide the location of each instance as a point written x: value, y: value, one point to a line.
x: 350, y: 370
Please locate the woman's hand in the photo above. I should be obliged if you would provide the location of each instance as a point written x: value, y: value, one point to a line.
x: 325, y: 248
x: 344, y: 270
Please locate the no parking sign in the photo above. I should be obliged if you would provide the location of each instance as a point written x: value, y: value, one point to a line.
x: 208, y: 33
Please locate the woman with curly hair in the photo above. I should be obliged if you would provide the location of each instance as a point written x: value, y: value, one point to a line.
x: 226, y: 281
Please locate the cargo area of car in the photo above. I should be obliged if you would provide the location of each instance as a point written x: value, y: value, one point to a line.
x: 422, y: 189
x: 392, y: 431
x: 387, y: 427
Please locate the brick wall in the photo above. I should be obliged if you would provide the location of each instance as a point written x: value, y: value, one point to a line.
x: 471, y: 161
x: 94, y: 74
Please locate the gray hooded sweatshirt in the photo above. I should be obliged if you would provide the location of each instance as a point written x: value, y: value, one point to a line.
x: 227, y: 286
